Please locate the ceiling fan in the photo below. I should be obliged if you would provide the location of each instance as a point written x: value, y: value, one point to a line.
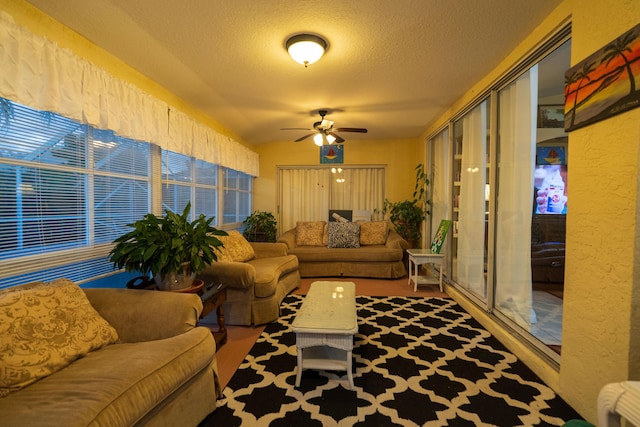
x: 324, y: 130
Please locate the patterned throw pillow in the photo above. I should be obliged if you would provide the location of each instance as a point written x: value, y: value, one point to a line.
x: 236, y: 248
x: 45, y: 327
x: 374, y: 232
x: 344, y: 235
x: 309, y: 233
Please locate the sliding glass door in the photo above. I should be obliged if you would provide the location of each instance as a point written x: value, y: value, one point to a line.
x: 508, y: 200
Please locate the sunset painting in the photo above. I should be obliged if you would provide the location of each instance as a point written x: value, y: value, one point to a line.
x: 604, y: 84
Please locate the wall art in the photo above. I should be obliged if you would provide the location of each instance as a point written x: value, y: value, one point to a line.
x: 333, y: 153
x: 604, y: 84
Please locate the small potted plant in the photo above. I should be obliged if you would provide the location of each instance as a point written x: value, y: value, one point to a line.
x: 170, y: 249
x: 260, y: 226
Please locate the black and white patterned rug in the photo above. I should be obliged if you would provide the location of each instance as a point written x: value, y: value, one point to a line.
x: 417, y: 361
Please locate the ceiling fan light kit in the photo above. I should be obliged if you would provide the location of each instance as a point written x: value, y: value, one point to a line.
x: 324, y: 131
x: 306, y: 49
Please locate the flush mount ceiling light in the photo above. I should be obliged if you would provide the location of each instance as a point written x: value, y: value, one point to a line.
x: 306, y: 49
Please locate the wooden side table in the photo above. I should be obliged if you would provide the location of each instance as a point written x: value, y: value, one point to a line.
x: 212, y: 299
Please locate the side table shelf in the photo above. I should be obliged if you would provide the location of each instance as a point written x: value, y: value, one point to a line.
x: 212, y: 299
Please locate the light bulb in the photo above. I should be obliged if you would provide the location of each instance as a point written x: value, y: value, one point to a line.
x: 331, y: 139
x: 318, y: 139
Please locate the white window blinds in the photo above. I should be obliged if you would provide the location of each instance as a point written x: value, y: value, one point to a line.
x: 67, y: 192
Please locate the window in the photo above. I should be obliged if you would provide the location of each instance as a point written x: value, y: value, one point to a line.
x: 69, y: 190
x: 307, y: 193
x: 185, y: 179
x: 66, y: 189
x: 237, y: 196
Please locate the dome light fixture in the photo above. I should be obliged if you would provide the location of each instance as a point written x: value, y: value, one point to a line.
x: 306, y: 49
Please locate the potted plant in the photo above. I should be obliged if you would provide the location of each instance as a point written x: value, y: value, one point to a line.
x: 407, y: 215
x: 261, y: 226
x: 170, y: 249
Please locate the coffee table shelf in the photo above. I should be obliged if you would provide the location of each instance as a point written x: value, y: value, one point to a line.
x: 324, y: 327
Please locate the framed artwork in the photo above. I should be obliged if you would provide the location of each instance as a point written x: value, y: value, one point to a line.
x: 550, y: 116
x: 333, y: 153
x: 604, y: 84
x: 551, y: 156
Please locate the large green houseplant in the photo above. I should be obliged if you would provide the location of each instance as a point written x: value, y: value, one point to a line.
x: 170, y: 249
x: 407, y: 215
x: 260, y: 226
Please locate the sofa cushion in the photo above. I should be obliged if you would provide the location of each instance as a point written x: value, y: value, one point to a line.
x: 344, y: 235
x: 236, y: 248
x: 309, y: 233
x: 45, y: 327
x: 373, y: 232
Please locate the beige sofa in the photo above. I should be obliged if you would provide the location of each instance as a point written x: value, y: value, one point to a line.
x: 378, y: 252
x: 104, y: 357
x: 258, y: 275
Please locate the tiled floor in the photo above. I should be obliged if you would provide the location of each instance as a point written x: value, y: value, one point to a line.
x: 548, y: 309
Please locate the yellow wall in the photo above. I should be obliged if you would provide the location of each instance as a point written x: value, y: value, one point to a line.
x: 400, y: 157
x: 601, y: 324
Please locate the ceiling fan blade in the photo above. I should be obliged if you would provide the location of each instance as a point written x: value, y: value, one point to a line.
x: 359, y: 130
x: 295, y: 129
x: 304, y: 137
x: 338, y: 138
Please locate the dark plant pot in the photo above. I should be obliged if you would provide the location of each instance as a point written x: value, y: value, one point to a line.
x: 259, y: 236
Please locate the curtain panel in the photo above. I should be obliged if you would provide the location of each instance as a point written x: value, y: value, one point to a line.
x: 518, y: 110
x: 471, y: 219
x: 40, y: 74
x: 440, y: 186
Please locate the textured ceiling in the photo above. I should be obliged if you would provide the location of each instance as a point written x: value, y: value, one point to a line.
x: 392, y: 66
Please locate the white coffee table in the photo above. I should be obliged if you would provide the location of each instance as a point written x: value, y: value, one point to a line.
x: 417, y: 257
x: 324, y: 328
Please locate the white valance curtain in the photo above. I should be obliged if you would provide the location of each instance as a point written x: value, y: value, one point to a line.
x: 40, y: 74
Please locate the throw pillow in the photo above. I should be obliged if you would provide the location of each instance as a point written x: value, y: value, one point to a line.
x: 236, y: 248
x: 344, y: 235
x: 45, y: 327
x: 374, y: 232
x: 309, y: 233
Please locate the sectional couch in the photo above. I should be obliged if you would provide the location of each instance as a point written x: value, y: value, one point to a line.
x: 103, y: 357
x: 350, y: 249
x: 258, y: 275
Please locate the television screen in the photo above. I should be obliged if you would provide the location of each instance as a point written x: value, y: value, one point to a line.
x: 550, y: 189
